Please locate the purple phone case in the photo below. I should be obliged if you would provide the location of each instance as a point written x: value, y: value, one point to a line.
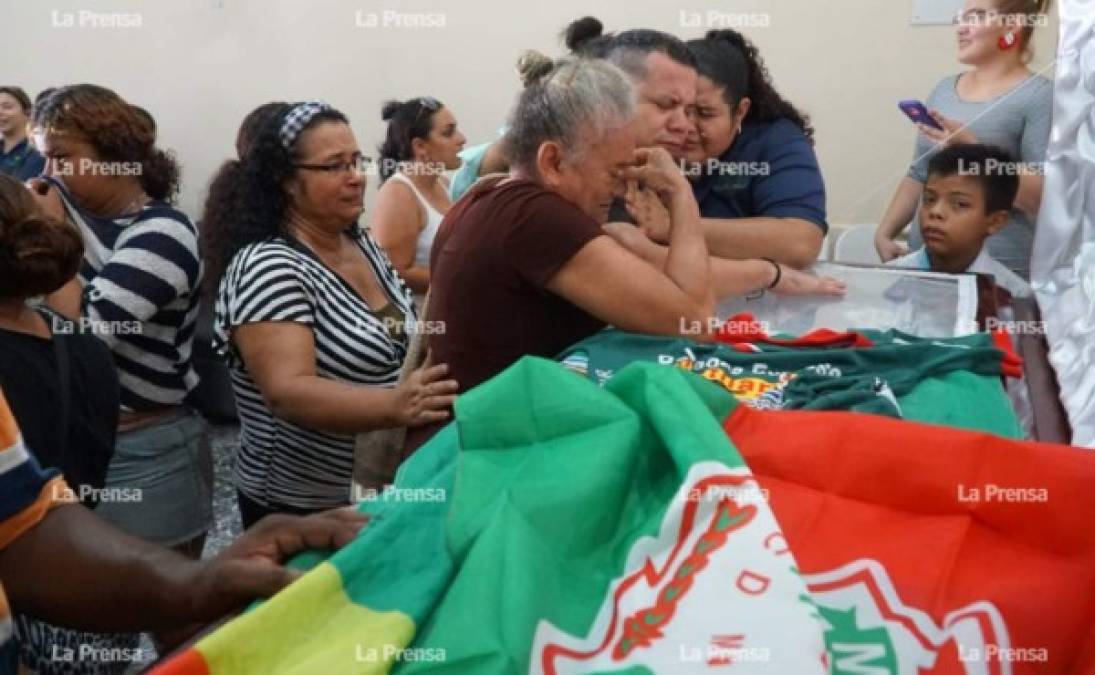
x: 918, y: 113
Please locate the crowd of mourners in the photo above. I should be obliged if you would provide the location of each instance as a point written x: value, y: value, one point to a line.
x: 639, y: 180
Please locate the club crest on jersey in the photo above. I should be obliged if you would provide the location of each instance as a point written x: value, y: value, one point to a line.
x: 716, y: 587
x: 870, y: 631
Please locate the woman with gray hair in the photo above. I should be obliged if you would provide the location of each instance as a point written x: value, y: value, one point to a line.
x: 521, y: 264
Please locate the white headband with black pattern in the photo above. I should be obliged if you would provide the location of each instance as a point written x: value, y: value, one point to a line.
x: 297, y: 118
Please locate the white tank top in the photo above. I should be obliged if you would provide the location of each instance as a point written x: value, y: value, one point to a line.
x: 433, y: 220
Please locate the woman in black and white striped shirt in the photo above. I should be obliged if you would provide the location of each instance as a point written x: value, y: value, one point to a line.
x: 137, y: 291
x: 311, y: 315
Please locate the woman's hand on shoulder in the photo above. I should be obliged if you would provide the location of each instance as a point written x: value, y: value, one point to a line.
x: 426, y: 396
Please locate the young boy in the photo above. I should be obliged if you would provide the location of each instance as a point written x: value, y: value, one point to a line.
x: 967, y: 198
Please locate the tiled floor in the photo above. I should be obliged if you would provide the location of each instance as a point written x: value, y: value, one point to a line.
x: 226, y: 515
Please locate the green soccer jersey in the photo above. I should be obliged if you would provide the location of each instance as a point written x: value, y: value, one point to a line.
x: 953, y: 381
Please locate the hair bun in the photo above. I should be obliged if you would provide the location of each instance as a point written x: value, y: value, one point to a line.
x: 727, y: 35
x: 581, y: 32
x: 40, y: 255
x: 389, y: 109
x: 27, y: 238
x: 533, y: 65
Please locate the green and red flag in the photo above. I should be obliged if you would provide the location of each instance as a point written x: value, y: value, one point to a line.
x: 562, y: 527
x: 929, y: 549
x: 557, y: 528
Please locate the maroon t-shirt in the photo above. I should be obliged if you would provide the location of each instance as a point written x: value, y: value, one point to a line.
x: 492, y: 259
x: 494, y: 254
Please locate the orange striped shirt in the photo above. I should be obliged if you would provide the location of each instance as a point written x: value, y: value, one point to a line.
x: 26, y: 495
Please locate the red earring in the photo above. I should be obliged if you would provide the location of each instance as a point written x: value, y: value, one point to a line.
x: 1007, y: 41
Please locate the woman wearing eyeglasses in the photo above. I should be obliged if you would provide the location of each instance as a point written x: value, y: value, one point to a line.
x: 311, y: 316
x: 422, y: 143
x: 998, y: 101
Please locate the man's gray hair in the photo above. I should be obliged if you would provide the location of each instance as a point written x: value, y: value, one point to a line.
x: 575, y: 103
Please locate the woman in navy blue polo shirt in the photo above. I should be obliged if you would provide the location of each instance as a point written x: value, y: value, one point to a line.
x: 751, y: 159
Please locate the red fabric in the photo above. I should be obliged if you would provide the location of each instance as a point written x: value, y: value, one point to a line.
x: 1012, y: 363
x: 743, y: 329
x: 189, y: 662
x: 848, y: 489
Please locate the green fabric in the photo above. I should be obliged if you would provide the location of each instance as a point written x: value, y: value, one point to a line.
x: 953, y: 381
x: 517, y: 510
x: 556, y: 481
x: 964, y: 400
x: 556, y: 527
x: 405, y: 541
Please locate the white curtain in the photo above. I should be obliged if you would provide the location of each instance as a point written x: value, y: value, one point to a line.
x: 1063, y: 266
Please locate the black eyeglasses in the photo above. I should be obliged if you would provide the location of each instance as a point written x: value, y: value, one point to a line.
x: 358, y: 164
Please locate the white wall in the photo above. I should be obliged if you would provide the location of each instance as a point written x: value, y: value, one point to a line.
x: 200, y: 65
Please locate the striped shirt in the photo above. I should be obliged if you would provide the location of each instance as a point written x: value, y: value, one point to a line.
x: 26, y: 495
x: 141, y: 274
x: 280, y: 279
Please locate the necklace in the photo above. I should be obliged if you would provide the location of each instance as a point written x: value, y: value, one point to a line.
x: 137, y: 203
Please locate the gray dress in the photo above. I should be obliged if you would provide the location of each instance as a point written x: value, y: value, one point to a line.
x: 1018, y: 121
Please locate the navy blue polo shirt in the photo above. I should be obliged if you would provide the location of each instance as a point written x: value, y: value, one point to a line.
x: 769, y: 171
x: 22, y: 162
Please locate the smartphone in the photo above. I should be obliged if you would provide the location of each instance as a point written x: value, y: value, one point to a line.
x: 918, y: 113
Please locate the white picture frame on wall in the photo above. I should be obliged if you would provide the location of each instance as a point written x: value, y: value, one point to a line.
x: 935, y: 12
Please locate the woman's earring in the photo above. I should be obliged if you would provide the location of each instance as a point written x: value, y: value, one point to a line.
x: 1007, y: 41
